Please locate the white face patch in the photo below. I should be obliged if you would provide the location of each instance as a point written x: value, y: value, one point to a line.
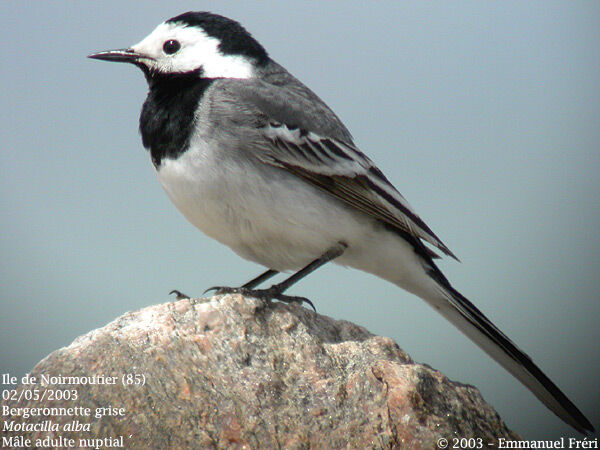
x: 197, y: 50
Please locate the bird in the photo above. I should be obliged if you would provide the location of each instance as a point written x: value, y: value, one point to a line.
x: 257, y: 161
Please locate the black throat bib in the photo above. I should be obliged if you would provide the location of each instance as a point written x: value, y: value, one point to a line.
x: 167, y: 118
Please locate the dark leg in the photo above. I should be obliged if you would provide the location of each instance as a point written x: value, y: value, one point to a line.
x: 330, y: 254
x: 259, y: 279
x: 276, y: 291
x: 249, y: 285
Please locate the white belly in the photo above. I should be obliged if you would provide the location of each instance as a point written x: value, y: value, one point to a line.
x: 264, y: 214
x: 269, y: 216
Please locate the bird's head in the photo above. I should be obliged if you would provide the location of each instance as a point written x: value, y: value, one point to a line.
x: 202, y: 43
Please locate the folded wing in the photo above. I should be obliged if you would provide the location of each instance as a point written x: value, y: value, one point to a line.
x: 343, y: 171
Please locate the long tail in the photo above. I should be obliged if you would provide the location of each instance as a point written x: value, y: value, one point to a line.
x: 473, y: 323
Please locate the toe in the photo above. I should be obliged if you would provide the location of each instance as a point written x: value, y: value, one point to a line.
x: 223, y: 290
x: 293, y: 299
x: 179, y: 295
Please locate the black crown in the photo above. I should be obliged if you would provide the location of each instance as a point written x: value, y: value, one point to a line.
x: 233, y: 37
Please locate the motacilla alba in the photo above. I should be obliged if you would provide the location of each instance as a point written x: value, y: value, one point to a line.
x: 257, y: 161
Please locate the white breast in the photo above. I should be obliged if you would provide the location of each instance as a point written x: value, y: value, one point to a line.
x: 195, y: 183
x: 269, y: 216
x: 263, y: 213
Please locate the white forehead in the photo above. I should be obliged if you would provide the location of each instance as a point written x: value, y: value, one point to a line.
x: 197, y: 50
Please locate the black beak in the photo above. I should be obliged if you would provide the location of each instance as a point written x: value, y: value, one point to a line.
x: 126, y: 55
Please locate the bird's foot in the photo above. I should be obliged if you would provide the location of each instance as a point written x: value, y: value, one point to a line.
x: 223, y: 290
x: 265, y: 295
x: 179, y: 295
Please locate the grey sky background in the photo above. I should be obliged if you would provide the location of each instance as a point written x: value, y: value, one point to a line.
x: 486, y: 116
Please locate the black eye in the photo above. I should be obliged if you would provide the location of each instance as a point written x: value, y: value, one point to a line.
x: 171, y: 46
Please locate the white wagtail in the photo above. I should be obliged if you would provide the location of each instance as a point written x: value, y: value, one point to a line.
x: 257, y: 161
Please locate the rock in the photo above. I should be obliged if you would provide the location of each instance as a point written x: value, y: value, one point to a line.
x: 231, y: 372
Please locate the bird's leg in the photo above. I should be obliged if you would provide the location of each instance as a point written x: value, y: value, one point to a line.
x: 222, y: 289
x: 259, y: 279
x: 276, y: 291
x: 330, y: 254
x: 248, y: 286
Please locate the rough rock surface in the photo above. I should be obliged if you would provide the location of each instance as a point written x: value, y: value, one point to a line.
x: 231, y: 372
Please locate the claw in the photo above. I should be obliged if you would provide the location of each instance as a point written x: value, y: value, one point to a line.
x: 293, y: 299
x: 179, y: 295
x: 222, y: 290
x: 263, y: 294
x: 269, y: 294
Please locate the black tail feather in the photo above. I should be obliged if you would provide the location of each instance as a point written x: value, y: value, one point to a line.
x: 525, y: 369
